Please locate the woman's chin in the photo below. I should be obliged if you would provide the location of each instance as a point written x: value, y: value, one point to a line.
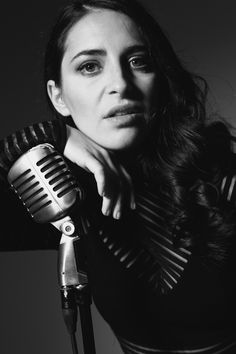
x: 123, y: 143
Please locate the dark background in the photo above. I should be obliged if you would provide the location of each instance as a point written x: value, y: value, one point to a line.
x: 203, y: 33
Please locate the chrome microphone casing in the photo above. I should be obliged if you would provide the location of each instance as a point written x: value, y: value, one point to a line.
x: 44, y: 183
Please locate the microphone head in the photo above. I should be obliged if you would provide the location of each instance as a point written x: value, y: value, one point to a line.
x: 42, y: 180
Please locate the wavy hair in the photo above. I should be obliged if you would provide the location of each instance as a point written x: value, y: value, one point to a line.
x: 184, y: 154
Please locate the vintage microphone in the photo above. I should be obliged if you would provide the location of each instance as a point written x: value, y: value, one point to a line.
x: 42, y: 180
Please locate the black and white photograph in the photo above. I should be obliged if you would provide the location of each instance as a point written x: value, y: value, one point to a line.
x: 117, y: 177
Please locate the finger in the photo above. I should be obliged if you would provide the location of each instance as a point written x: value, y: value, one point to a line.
x: 130, y: 187
x: 107, y: 187
x: 106, y: 206
x: 113, y: 175
x: 122, y: 189
x: 118, y: 207
x: 119, y: 194
x: 94, y: 166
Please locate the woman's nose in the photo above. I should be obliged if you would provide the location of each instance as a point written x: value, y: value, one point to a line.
x: 118, y: 81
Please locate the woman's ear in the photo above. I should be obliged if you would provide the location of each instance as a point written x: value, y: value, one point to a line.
x: 55, y: 95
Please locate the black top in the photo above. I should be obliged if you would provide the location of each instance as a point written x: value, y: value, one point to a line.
x: 152, y: 293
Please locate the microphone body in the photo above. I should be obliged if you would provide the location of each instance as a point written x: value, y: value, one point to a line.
x: 42, y: 180
x: 44, y: 183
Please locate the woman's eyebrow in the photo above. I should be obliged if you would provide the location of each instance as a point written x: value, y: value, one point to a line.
x: 89, y: 52
x: 136, y: 48
x: 128, y: 50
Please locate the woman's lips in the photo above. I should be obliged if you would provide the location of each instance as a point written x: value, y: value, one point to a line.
x: 125, y: 115
x: 125, y: 120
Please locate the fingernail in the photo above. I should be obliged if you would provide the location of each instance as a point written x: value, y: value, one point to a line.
x: 117, y: 215
x: 133, y: 205
x: 106, y: 212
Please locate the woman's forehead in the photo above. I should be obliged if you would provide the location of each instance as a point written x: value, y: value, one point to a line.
x: 102, y: 27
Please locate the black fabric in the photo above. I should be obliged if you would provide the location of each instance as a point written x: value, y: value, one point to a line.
x: 227, y: 346
x: 199, y: 311
x: 18, y: 230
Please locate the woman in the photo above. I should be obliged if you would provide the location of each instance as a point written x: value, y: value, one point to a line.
x: 162, y: 177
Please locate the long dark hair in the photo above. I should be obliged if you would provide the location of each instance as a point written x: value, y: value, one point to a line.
x: 181, y: 151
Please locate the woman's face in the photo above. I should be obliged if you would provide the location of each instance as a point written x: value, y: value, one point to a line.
x: 108, y: 82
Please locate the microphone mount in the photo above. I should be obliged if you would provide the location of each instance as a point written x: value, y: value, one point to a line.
x: 68, y: 272
x: 46, y: 187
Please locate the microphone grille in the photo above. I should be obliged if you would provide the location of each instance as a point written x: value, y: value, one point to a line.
x: 42, y: 180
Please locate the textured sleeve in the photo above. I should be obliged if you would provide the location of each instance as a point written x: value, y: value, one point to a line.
x: 14, y: 145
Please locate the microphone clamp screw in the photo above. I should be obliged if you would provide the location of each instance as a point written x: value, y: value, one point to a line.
x: 68, y: 228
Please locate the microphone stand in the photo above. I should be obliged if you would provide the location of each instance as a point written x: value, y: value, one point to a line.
x: 74, y: 287
x: 40, y: 177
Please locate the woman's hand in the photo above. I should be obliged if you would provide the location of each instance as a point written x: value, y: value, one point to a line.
x: 114, y: 183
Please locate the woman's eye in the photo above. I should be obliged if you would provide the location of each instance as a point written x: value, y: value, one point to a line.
x: 140, y: 63
x: 89, y: 68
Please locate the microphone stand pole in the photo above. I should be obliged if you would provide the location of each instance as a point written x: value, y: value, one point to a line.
x: 74, y: 287
x: 83, y: 299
